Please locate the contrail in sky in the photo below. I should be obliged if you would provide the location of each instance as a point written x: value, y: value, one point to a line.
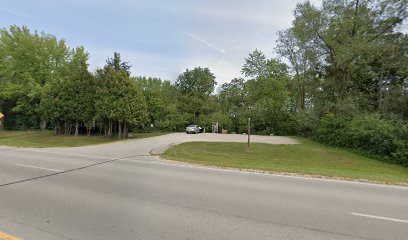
x: 18, y: 14
x: 205, y: 42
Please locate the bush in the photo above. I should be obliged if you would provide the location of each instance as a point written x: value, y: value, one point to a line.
x: 304, y: 123
x: 386, y: 139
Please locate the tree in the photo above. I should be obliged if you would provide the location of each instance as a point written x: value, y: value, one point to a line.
x: 194, y: 88
x: 70, y: 98
x: 347, y: 32
x: 266, y: 92
x: 304, y: 61
x: 28, y: 61
x: 81, y: 88
x: 255, y: 65
x: 53, y: 105
x: 161, y: 103
x: 116, y: 63
x: 119, y: 103
x: 266, y: 102
x: 198, y: 80
x: 232, y: 98
x: 130, y: 109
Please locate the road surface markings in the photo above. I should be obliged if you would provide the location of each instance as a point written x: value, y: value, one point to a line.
x: 380, y: 217
x: 5, y: 236
x: 29, y: 166
x: 57, y: 153
x: 160, y: 161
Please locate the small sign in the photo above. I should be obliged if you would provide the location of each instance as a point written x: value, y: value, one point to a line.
x: 1, y: 126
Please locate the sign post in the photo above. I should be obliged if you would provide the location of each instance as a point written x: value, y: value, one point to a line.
x: 1, y: 121
x: 249, y: 131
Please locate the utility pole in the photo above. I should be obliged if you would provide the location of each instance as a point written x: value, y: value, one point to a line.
x: 249, y: 131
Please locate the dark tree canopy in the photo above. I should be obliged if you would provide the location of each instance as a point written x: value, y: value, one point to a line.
x: 116, y: 63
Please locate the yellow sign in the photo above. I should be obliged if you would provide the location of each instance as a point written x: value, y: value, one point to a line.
x: 1, y: 115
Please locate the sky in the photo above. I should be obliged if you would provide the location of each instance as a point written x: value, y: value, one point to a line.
x: 160, y: 38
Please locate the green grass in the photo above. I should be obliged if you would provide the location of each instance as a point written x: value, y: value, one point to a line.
x: 306, y: 158
x: 42, y: 139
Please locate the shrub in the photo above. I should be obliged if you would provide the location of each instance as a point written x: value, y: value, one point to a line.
x: 386, y: 139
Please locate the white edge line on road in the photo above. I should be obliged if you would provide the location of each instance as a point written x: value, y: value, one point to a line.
x: 379, y: 217
x: 59, y: 153
x: 29, y: 166
x: 171, y: 163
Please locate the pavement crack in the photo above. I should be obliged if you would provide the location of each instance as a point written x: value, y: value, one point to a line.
x: 70, y: 170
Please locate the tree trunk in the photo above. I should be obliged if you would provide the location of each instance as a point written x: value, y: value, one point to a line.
x: 125, y: 131
x: 302, y: 91
x: 76, y: 128
x: 340, y: 80
x: 110, y: 128
x: 113, y: 128
x: 59, y: 130
x: 120, y: 129
x: 65, y: 128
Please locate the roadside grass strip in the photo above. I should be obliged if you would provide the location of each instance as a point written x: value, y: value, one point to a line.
x: 307, y: 158
x: 45, y: 139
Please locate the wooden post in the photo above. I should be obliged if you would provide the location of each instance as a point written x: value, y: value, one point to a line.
x: 249, y: 131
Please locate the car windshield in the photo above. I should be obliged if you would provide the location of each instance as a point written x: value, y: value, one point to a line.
x: 192, y: 126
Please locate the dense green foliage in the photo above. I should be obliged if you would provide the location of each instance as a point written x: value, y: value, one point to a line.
x: 162, y: 105
x: 349, y: 70
x: 27, y: 63
x: 341, y: 77
x: 44, y: 82
x: 368, y: 133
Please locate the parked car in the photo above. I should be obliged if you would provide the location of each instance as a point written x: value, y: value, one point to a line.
x: 193, y: 129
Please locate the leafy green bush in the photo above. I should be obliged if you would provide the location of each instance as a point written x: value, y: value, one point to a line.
x: 387, y: 139
x: 304, y: 123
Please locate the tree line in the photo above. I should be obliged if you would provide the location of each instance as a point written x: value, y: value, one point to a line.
x: 340, y: 75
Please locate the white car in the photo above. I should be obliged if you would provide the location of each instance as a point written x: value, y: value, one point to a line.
x: 193, y: 129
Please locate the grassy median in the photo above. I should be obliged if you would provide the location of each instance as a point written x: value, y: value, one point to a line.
x: 41, y: 139
x: 306, y: 158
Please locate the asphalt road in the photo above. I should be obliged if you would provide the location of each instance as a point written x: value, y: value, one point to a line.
x: 120, y: 191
